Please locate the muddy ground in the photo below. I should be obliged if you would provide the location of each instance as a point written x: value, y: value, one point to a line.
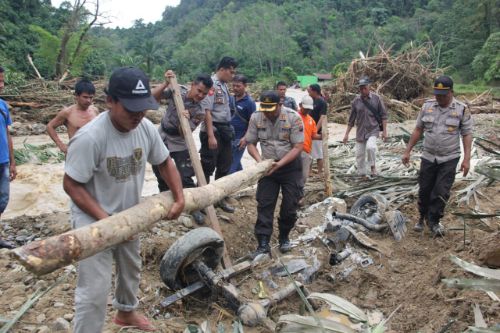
x: 410, y: 278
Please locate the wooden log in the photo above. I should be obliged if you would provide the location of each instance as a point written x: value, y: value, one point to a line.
x: 33, y: 105
x: 30, y: 60
x: 45, y: 256
x: 326, y: 159
x: 195, y: 161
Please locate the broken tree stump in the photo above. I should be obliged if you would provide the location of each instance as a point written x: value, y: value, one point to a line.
x: 45, y: 256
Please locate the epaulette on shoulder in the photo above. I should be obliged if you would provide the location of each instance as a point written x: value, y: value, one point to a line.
x: 459, y: 102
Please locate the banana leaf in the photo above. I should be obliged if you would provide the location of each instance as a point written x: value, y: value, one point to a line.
x: 341, y: 305
x: 292, y: 323
x: 480, y: 271
x: 476, y: 284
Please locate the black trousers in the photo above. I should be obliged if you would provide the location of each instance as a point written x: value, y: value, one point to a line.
x: 218, y: 160
x: 435, y: 182
x: 289, y: 180
x: 183, y: 164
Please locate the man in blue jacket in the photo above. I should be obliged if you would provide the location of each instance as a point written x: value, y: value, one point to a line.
x: 244, y: 107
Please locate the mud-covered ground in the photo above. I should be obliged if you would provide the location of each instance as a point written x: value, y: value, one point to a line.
x: 410, y: 278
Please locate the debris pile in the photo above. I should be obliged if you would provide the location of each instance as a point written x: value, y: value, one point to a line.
x: 399, y: 79
x: 403, y: 81
x: 36, y: 102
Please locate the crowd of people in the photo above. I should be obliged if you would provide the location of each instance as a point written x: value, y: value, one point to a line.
x: 107, y: 154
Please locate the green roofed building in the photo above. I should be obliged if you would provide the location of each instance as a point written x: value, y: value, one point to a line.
x: 306, y: 80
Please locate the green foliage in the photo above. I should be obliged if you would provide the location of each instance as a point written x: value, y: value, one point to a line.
x: 44, y: 56
x: 40, y: 154
x: 474, y: 89
x: 339, y: 69
x: 289, y: 75
x: 269, y: 38
x: 486, y: 63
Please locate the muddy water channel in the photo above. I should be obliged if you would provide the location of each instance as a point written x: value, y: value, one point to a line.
x: 38, y: 188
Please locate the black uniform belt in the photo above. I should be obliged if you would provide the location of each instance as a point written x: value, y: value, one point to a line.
x: 171, y: 130
x: 222, y: 124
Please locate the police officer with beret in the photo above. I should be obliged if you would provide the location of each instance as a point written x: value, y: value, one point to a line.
x: 216, y: 133
x: 280, y: 132
x: 443, y: 120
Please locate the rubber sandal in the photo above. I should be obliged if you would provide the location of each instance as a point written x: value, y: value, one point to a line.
x: 144, y: 324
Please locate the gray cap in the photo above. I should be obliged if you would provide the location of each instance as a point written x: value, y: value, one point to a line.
x: 364, y: 81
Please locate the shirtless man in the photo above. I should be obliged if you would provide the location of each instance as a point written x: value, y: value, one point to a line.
x: 75, y: 116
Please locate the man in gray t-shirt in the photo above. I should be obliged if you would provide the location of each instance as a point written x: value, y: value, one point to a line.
x: 170, y: 130
x: 104, y: 175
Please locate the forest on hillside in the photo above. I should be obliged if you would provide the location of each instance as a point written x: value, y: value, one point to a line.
x: 274, y: 38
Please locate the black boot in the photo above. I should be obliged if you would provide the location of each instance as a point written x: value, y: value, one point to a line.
x: 263, y: 247
x: 419, y: 226
x: 285, y: 245
x: 6, y: 245
x: 198, y: 217
x: 225, y: 206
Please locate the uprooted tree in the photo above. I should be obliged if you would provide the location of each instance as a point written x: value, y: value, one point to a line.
x: 74, y: 25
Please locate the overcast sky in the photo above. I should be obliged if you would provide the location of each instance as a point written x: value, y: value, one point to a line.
x: 123, y: 13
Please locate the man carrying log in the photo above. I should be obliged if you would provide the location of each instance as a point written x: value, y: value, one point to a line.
x: 443, y: 120
x: 280, y: 132
x: 104, y: 175
x: 76, y: 115
x: 171, y: 132
x: 370, y: 116
x: 216, y: 132
x: 8, y: 170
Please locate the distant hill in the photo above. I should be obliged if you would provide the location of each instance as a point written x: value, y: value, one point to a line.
x: 273, y: 38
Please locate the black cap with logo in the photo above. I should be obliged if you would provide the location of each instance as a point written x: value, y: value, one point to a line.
x: 442, y: 85
x: 131, y: 86
x: 269, y: 100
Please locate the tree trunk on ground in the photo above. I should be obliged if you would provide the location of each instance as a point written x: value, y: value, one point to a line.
x: 45, y: 256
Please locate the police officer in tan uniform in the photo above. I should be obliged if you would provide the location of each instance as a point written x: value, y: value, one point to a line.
x: 216, y: 132
x: 171, y: 132
x: 443, y: 120
x: 280, y: 132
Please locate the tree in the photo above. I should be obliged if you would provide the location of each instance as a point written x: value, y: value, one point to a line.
x: 486, y: 63
x: 76, y: 24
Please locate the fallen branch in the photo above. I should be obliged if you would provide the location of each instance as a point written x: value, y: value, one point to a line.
x: 34, y: 67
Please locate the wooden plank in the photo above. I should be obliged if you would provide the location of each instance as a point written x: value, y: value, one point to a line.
x: 195, y: 161
x: 326, y: 158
